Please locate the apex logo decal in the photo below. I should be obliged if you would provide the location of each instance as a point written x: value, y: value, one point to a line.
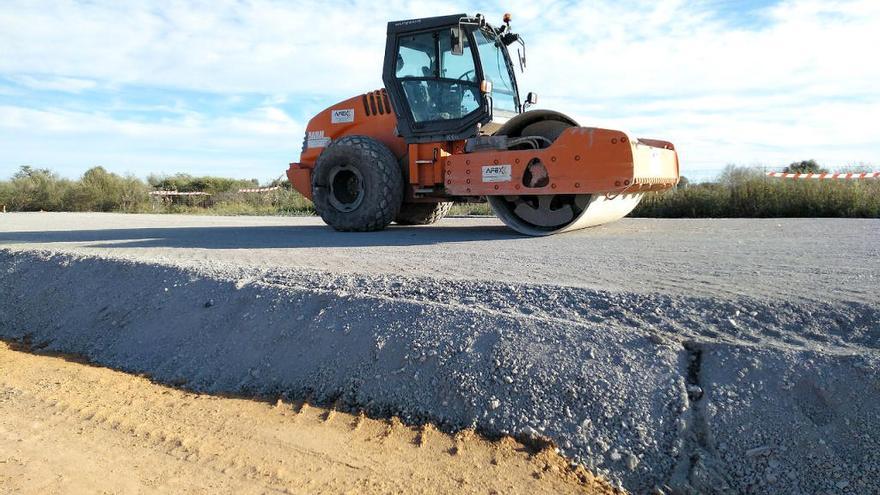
x: 496, y: 173
x: 342, y: 116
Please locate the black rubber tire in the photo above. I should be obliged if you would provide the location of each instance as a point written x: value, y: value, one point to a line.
x: 422, y: 213
x: 380, y: 184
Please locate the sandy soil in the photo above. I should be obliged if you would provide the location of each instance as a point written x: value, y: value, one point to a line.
x: 69, y: 427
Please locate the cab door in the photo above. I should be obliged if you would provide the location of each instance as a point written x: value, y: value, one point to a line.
x: 434, y: 91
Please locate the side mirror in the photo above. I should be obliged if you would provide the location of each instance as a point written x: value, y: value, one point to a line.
x: 531, y: 99
x: 457, y: 41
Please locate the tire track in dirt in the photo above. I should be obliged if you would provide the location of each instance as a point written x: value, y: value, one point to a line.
x: 168, y: 440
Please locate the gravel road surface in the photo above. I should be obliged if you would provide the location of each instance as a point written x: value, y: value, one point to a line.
x: 812, y: 259
x: 680, y: 356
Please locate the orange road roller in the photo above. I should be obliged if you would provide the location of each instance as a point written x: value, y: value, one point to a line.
x: 450, y: 126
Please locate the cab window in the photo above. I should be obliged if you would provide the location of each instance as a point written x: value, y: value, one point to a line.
x: 415, y: 58
x: 496, y: 71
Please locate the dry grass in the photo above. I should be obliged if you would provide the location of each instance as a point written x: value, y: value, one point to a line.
x: 750, y: 194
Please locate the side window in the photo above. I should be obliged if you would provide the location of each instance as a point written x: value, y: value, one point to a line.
x: 459, y: 67
x: 437, y: 91
x: 416, y: 56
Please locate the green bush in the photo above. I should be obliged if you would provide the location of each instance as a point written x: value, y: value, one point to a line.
x: 210, y: 185
x: 99, y: 190
x: 284, y: 201
x: 34, y: 189
x: 278, y: 202
x: 5, y: 195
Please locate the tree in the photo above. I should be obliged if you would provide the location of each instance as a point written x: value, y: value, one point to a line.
x: 100, y: 190
x: 736, y: 175
x: 34, y: 189
x: 683, y: 182
x: 27, y: 172
x: 805, y: 167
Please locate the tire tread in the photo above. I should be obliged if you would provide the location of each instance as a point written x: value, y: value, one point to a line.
x: 422, y: 213
x: 390, y: 181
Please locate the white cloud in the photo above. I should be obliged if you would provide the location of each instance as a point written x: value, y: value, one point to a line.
x: 53, y: 83
x: 800, y: 83
x: 261, y: 46
x: 257, y: 144
x: 262, y: 123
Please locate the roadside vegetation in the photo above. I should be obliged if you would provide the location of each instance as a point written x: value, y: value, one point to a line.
x: 738, y: 192
x: 32, y: 189
x: 742, y: 192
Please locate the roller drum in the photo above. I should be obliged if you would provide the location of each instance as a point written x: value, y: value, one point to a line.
x: 582, y: 212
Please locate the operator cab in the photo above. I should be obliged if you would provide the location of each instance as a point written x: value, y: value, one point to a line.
x: 448, y: 75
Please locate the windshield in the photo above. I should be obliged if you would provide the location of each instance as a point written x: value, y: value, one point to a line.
x: 495, y: 70
x: 435, y: 92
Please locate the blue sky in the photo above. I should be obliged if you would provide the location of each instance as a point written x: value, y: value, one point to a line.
x: 226, y: 87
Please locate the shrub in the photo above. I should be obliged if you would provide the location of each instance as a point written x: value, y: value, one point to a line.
x: 34, y: 189
x: 5, y: 195
x: 744, y: 192
x: 210, y: 185
x: 99, y: 190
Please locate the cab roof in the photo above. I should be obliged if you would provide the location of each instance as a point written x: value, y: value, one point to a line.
x: 395, y: 27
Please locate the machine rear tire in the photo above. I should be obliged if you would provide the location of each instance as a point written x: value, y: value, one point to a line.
x: 357, y: 185
x: 422, y: 213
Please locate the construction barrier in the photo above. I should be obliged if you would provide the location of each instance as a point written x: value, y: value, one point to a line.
x: 850, y: 176
x: 195, y: 198
x: 259, y: 189
x: 175, y: 193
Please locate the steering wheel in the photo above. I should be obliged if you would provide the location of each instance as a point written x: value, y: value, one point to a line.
x: 464, y: 76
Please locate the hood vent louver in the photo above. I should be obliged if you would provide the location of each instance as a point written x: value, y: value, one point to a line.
x: 376, y: 103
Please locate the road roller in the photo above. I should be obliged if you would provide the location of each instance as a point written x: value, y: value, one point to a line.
x: 450, y: 125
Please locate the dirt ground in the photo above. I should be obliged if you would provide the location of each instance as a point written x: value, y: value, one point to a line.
x: 69, y: 427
